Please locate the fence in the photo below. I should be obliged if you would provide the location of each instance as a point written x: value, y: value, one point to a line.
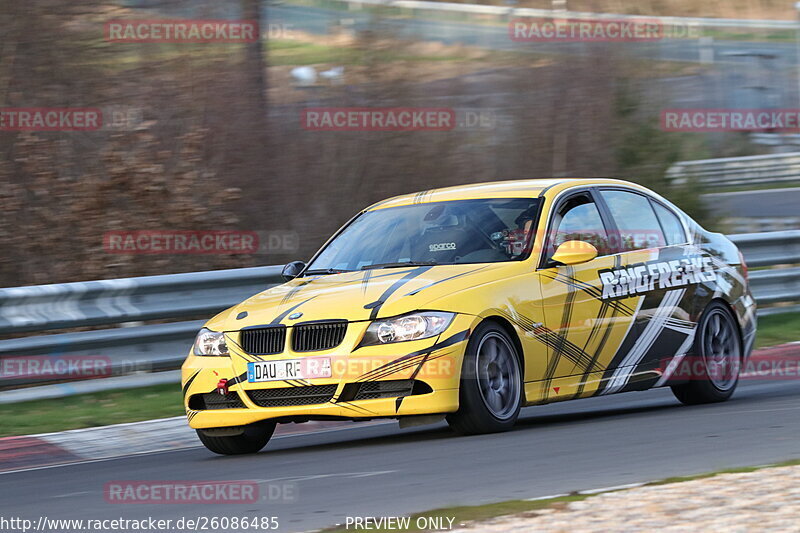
x: 733, y: 171
x: 505, y: 12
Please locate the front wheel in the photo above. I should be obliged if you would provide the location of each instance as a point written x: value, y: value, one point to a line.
x: 490, y: 394
x: 717, y: 354
x: 237, y: 441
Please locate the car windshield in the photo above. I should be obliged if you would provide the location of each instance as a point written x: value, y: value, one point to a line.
x: 454, y: 232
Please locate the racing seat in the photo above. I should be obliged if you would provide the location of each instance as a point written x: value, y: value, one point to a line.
x: 447, y: 244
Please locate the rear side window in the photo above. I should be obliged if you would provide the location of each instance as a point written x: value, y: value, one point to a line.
x: 673, y: 229
x: 637, y: 223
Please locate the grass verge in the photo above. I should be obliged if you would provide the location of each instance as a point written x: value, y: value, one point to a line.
x: 89, y: 410
x: 463, y: 515
x: 777, y: 329
x: 470, y: 515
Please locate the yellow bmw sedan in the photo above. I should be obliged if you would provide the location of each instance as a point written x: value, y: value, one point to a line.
x: 468, y: 303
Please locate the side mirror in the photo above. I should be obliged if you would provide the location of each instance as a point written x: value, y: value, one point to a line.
x: 574, y: 253
x: 291, y: 270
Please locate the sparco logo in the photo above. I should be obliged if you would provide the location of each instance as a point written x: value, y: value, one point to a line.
x: 442, y: 246
x: 644, y: 277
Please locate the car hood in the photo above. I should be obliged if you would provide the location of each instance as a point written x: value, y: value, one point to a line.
x: 355, y: 296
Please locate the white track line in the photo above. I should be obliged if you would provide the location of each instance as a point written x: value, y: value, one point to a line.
x: 182, y: 448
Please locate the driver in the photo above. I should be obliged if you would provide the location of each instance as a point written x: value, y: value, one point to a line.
x: 514, y: 241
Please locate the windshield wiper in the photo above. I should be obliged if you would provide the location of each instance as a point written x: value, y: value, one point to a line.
x: 400, y: 264
x: 325, y: 271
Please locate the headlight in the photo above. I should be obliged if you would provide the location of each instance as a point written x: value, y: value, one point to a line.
x: 210, y: 342
x: 410, y: 327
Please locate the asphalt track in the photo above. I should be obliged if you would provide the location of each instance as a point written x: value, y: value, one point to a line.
x: 384, y: 471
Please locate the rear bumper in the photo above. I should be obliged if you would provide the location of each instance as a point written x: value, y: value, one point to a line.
x: 745, y: 308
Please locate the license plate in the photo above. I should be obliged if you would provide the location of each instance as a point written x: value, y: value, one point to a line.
x: 306, y: 368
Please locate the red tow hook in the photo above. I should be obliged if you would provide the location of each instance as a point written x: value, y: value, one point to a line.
x: 222, y: 387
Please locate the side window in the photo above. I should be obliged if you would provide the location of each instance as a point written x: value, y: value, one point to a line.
x: 578, y: 219
x: 634, y: 216
x: 673, y: 229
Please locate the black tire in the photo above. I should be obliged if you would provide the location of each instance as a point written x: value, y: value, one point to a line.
x: 707, y: 385
x: 251, y: 440
x: 490, y: 397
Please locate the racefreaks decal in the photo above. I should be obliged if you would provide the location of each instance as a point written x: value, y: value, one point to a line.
x: 645, y: 277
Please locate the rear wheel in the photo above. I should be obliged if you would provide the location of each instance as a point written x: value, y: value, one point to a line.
x: 251, y: 439
x: 490, y: 392
x: 716, y: 359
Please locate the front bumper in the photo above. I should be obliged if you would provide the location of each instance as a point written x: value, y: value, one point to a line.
x: 433, y: 364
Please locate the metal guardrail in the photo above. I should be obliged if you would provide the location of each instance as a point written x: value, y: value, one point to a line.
x: 148, y: 348
x: 776, y: 286
x: 121, y: 351
x: 160, y: 347
x: 732, y: 171
x: 769, y: 249
x: 744, y: 224
x: 96, y: 303
x: 506, y: 12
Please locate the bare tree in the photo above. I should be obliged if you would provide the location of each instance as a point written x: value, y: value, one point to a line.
x: 255, y: 62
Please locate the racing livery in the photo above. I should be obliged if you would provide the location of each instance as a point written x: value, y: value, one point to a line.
x: 468, y: 303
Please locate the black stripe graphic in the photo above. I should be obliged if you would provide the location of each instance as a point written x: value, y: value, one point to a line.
x: 605, y: 306
x: 280, y: 317
x: 561, y: 340
x: 356, y: 408
x: 243, y: 354
x: 189, y: 383
x: 399, y: 366
x: 548, y: 337
x: 241, y: 378
x: 589, y: 289
x: 429, y: 285
x: 293, y: 292
x: 365, y: 280
x: 399, y: 400
x: 390, y: 367
x: 375, y: 306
